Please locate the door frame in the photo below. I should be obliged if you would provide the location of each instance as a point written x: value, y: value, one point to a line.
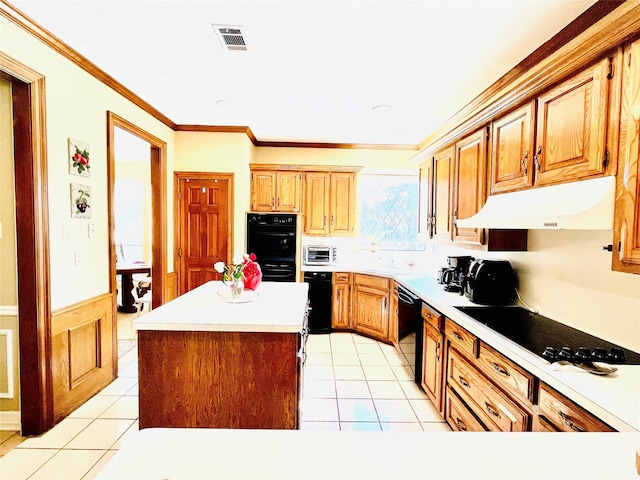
x: 158, y: 214
x: 178, y: 177
x: 32, y: 232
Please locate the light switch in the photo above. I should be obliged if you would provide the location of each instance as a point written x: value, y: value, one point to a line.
x: 92, y: 230
x: 78, y: 258
x: 66, y: 230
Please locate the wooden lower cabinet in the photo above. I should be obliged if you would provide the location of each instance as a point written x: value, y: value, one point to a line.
x: 341, y: 300
x: 433, y: 355
x: 458, y: 415
x: 555, y: 411
x: 371, y: 305
x: 219, y: 379
x: 497, y: 411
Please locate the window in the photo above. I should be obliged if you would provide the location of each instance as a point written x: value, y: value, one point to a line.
x: 389, y: 212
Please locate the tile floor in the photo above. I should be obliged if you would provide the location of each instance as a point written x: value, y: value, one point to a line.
x: 351, y: 383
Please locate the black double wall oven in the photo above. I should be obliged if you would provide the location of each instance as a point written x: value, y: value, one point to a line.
x: 272, y: 237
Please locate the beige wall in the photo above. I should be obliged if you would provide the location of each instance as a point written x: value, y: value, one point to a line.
x: 567, y: 276
x: 371, y: 158
x: 76, y: 107
x: 220, y: 153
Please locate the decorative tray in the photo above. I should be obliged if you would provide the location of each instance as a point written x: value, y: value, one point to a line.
x: 245, y: 296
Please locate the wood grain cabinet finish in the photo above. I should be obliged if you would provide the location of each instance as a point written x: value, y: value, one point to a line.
x: 509, y: 376
x: 371, y: 305
x: 341, y: 300
x: 565, y: 415
x: 433, y: 355
x: 488, y: 403
x: 626, y: 232
x: 442, y: 206
x: 512, y: 141
x: 571, y: 132
x: 329, y: 203
x: 469, y: 193
x: 219, y: 379
x: 458, y: 416
x: 464, y: 341
x: 275, y: 191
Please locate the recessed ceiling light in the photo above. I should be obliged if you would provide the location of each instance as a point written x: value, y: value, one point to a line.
x: 381, y: 108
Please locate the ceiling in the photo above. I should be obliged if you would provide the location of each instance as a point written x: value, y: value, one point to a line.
x: 313, y: 70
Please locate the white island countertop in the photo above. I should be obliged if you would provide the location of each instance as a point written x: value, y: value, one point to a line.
x: 277, y: 307
x: 201, y: 453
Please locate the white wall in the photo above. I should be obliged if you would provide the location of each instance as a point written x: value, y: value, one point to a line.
x: 567, y: 276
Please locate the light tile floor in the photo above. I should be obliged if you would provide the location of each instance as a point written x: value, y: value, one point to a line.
x: 351, y: 383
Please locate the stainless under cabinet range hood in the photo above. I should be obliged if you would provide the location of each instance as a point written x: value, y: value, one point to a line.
x: 581, y: 205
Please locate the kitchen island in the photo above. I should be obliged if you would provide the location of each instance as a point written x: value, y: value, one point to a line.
x: 206, y: 360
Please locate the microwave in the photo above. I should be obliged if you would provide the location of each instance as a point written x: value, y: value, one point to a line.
x: 319, y: 255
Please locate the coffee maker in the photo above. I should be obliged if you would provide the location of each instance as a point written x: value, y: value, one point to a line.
x: 452, y: 277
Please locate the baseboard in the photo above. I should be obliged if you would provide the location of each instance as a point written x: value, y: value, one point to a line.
x: 10, y: 421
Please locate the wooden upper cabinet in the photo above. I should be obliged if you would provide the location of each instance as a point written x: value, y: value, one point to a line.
x: 513, y: 150
x: 329, y: 203
x: 316, y: 202
x: 441, y: 211
x: 288, y: 191
x: 263, y: 191
x: 273, y: 191
x: 425, y: 204
x: 343, y: 204
x: 626, y: 231
x: 470, y: 184
x: 571, y: 132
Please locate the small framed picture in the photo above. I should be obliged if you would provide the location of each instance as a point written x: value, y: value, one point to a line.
x: 80, y: 201
x: 79, y: 153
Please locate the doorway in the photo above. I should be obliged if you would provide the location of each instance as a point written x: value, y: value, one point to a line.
x: 156, y: 155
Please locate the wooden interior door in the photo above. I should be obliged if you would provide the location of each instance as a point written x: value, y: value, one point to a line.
x: 205, y: 232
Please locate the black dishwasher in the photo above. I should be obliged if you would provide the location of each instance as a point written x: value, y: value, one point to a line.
x: 320, y: 301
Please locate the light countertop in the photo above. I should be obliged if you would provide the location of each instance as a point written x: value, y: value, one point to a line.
x: 218, y: 453
x: 615, y: 398
x: 274, y: 307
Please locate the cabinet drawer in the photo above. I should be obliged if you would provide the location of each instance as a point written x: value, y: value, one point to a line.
x: 380, y: 283
x: 458, y: 416
x: 565, y: 415
x: 435, y: 318
x: 463, y: 340
x: 505, y: 373
x: 341, y: 277
x: 491, y: 406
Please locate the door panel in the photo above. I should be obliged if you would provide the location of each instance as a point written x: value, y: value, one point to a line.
x: 205, y: 235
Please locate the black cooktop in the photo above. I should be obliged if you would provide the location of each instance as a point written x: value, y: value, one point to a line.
x: 536, y: 333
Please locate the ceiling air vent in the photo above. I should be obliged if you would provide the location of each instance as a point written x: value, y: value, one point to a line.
x: 230, y: 36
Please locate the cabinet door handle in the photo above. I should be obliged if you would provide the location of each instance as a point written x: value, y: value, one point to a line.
x: 500, y: 369
x: 463, y: 381
x: 278, y: 202
x: 523, y: 162
x: 461, y: 425
x: 536, y: 158
x: 273, y: 201
x: 324, y: 221
x: 437, y: 351
x: 492, y: 410
x: 569, y: 422
x: 332, y: 220
x: 458, y: 336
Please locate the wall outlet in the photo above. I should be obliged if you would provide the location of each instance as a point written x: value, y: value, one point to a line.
x: 91, y: 230
x: 66, y: 230
x: 78, y: 258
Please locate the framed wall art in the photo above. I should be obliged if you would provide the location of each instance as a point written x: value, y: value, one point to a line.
x: 80, y: 201
x: 79, y: 158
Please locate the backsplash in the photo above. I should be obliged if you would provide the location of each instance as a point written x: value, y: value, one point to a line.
x: 565, y: 274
